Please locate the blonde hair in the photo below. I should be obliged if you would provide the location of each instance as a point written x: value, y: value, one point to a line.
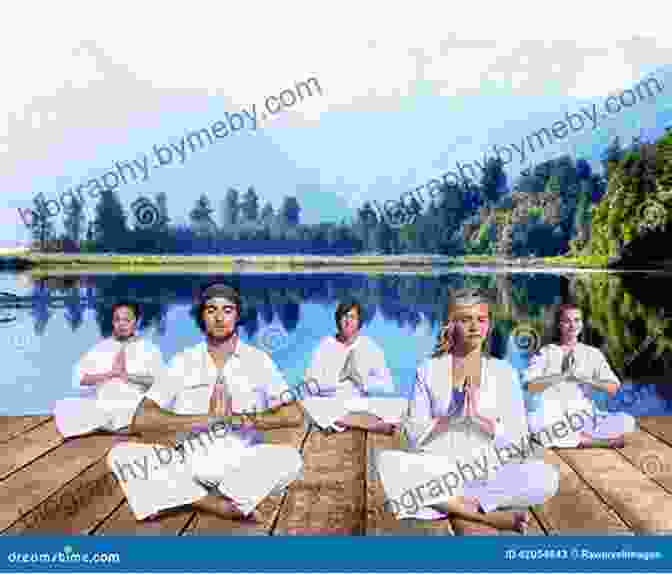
x: 446, y: 338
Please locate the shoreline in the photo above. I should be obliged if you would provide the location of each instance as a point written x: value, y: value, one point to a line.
x: 70, y: 262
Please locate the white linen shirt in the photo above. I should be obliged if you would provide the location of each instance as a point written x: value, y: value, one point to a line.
x: 590, y: 364
x: 501, y: 400
x: 561, y: 398
x: 254, y: 381
x: 329, y: 358
x: 115, y: 395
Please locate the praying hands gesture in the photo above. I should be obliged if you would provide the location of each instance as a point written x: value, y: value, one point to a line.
x: 472, y: 398
x: 119, y: 366
x: 221, y: 403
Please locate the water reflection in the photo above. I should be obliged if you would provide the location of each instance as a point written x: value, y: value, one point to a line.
x: 626, y: 315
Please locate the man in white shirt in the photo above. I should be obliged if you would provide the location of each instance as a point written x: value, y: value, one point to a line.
x: 112, y: 378
x: 350, y: 365
x: 223, y: 378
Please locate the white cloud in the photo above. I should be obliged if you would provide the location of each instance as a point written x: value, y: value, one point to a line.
x: 76, y: 76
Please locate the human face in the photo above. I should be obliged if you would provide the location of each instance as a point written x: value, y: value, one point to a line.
x: 123, y: 323
x: 571, y: 324
x: 349, y: 324
x: 471, y: 325
x: 220, y: 316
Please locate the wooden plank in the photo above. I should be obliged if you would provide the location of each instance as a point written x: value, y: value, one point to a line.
x: 25, y: 448
x: 380, y: 521
x: 14, y: 426
x: 122, y: 521
x: 576, y: 509
x: 210, y: 524
x: 640, y: 502
x: 45, y: 478
x: 77, y: 507
x: 651, y: 456
x: 660, y: 427
x: 330, y: 499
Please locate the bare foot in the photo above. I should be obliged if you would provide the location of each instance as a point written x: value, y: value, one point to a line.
x: 220, y: 506
x: 518, y: 521
x: 589, y: 442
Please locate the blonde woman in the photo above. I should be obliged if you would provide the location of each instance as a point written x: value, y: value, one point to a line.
x: 465, y: 425
x: 565, y: 373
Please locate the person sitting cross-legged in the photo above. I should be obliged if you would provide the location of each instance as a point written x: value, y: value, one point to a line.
x: 223, y: 380
x: 466, y: 418
x: 564, y: 375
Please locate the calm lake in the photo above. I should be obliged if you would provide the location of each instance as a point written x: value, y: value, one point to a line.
x: 44, y: 331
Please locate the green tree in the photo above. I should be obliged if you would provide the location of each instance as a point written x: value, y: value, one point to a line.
x: 110, y: 229
x: 267, y: 213
x: 290, y: 211
x: 162, y: 206
x: 232, y: 207
x: 42, y: 228
x: 74, y: 219
x: 201, y: 216
x: 493, y: 182
x: 250, y: 205
x: 367, y: 221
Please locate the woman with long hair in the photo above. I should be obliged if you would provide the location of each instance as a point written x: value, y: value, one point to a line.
x: 565, y: 373
x: 467, y: 429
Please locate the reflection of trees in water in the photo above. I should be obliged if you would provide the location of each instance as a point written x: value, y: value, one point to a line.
x: 40, y: 307
x: 618, y: 317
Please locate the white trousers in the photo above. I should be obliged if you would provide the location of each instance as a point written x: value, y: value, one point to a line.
x: 414, y: 481
x: 82, y: 415
x: 599, y: 425
x: 156, y: 477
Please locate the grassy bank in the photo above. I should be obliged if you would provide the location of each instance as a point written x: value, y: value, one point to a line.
x: 143, y: 263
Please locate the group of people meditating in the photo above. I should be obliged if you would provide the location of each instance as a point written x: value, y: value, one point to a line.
x: 465, y: 406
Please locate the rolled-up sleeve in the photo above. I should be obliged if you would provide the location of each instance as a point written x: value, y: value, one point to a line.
x: 170, y: 380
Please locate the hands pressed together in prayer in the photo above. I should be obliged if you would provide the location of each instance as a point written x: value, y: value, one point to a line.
x: 119, y: 369
x: 470, y: 411
x: 221, y: 403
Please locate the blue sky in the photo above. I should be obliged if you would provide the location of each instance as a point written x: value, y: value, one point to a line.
x: 406, y: 94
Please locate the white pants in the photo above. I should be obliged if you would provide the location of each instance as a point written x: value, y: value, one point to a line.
x: 604, y: 425
x: 414, y: 482
x: 156, y: 477
x: 82, y: 415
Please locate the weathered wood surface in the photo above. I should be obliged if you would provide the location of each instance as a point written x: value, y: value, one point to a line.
x: 48, y: 485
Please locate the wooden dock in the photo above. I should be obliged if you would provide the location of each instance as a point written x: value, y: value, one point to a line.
x: 627, y: 491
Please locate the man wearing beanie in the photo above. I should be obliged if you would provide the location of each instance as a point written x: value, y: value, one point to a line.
x: 217, y: 381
